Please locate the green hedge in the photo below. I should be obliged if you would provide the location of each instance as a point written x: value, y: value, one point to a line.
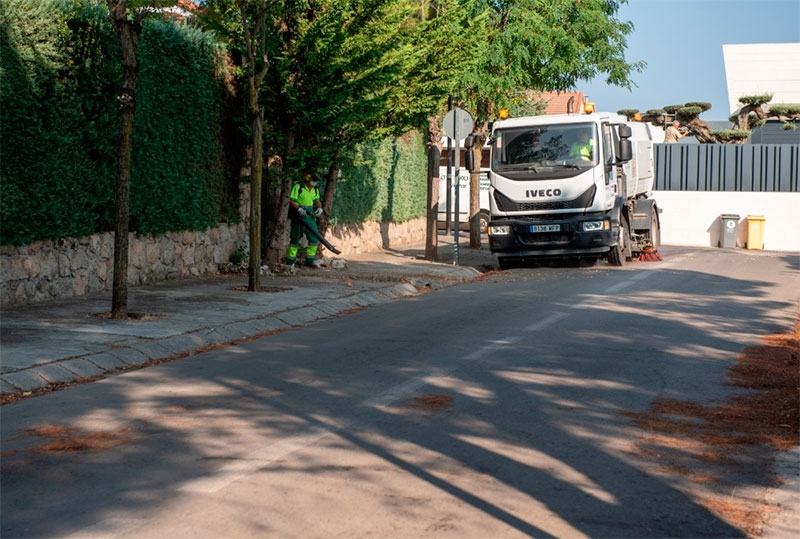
x: 178, y: 160
x: 60, y: 74
x: 383, y: 180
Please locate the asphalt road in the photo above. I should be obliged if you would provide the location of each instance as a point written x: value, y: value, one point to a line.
x: 490, y: 409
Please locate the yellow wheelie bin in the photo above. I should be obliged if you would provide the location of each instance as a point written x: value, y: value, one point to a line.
x: 755, y: 231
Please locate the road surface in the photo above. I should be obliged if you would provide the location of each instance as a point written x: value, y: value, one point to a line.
x: 491, y: 409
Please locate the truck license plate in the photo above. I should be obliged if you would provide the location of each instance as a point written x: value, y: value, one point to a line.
x: 545, y: 228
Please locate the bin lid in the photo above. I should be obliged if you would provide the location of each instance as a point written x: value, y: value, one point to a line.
x: 756, y: 218
x: 729, y: 216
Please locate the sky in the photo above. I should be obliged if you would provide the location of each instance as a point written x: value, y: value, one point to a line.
x: 681, y: 42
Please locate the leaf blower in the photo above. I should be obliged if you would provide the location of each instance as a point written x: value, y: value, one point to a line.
x: 312, y: 230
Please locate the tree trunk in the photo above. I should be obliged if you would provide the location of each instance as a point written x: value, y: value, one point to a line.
x: 256, y: 176
x: 475, y: 195
x: 434, y: 160
x: 128, y: 32
x: 278, y: 240
x: 744, y: 115
x: 701, y: 131
x: 119, y: 294
x: 475, y: 184
x: 327, y: 197
x: 254, y: 30
x: 475, y: 207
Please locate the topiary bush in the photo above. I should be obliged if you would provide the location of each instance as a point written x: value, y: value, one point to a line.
x: 758, y: 99
x: 728, y: 136
x: 787, y: 109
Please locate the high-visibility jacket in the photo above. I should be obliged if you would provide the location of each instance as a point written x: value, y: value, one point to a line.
x: 303, y: 196
x: 582, y: 150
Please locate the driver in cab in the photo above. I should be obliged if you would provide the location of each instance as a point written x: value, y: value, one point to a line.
x: 583, y: 147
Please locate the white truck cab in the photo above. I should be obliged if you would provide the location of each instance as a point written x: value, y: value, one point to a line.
x: 569, y: 186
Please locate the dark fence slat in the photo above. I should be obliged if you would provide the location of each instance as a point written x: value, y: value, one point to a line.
x: 727, y: 167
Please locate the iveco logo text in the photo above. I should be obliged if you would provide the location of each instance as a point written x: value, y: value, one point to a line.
x: 538, y: 193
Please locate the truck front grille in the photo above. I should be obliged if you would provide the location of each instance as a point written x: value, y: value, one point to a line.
x: 544, y: 239
x: 506, y: 204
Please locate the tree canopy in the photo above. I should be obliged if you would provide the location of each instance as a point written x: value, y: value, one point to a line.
x: 545, y: 46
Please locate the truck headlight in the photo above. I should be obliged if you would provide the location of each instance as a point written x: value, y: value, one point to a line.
x: 500, y: 230
x: 593, y: 226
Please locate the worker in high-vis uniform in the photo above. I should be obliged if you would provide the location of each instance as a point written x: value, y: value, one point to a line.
x: 583, y: 148
x: 306, y: 205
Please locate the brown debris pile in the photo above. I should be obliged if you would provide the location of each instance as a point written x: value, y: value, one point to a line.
x: 60, y: 438
x: 715, y: 444
x: 431, y: 402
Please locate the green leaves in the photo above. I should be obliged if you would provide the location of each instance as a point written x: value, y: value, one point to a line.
x: 545, y: 45
x: 382, y: 179
x: 60, y: 78
x: 730, y: 136
x: 788, y: 109
x: 756, y: 100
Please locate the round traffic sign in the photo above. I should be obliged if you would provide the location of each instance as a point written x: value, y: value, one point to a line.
x: 458, y: 124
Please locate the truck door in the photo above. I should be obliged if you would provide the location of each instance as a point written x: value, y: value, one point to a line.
x: 608, y: 162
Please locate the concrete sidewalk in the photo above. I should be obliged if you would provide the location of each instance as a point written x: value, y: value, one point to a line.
x: 67, y: 341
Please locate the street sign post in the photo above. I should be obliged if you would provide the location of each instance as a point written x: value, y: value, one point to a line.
x: 458, y: 123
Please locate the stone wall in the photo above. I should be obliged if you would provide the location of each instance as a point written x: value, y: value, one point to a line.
x: 48, y: 270
x: 374, y: 236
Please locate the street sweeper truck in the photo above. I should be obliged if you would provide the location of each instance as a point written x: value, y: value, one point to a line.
x: 572, y: 186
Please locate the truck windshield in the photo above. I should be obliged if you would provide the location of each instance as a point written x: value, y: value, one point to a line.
x: 544, y: 147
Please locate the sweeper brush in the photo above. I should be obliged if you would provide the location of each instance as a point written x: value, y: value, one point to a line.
x: 649, y: 254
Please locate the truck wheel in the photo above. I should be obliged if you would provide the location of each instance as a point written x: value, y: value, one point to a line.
x: 655, y: 232
x: 483, y: 223
x: 621, y: 252
x: 503, y: 262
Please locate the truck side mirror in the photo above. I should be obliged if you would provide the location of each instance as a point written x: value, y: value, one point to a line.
x: 469, y: 159
x: 624, y: 131
x: 625, y: 152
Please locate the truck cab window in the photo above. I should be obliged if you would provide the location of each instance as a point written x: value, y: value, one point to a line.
x: 569, y: 146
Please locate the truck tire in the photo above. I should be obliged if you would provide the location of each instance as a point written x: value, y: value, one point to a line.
x: 503, y: 262
x: 483, y: 222
x: 621, y: 252
x: 655, y: 231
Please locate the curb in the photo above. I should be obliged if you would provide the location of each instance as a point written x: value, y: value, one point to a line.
x: 141, y: 353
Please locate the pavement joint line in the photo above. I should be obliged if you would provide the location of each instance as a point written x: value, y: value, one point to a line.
x: 138, y: 353
x: 134, y: 349
x: 81, y: 367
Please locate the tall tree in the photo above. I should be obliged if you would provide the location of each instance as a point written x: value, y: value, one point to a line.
x: 544, y: 45
x: 249, y: 27
x: 342, y: 76
x: 126, y: 17
x: 436, y: 46
x: 340, y: 71
x: 254, y: 31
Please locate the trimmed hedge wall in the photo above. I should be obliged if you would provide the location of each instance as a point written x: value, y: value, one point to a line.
x: 383, y: 180
x: 61, y: 71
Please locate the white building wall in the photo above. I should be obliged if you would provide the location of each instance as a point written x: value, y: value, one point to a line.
x: 692, y: 218
x: 754, y: 69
